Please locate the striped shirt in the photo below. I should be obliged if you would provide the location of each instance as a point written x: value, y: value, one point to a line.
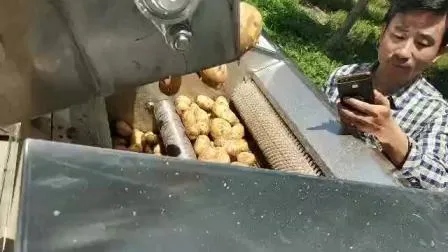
x: 422, y: 113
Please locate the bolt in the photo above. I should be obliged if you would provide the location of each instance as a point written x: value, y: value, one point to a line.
x: 182, y: 40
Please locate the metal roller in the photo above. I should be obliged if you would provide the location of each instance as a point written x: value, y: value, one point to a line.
x: 280, y: 147
x: 172, y: 131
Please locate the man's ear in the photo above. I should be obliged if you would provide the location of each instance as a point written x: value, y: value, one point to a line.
x: 383, y: 31
x: 442, y: 51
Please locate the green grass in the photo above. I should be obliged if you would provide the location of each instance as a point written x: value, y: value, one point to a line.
x: 302, y: 33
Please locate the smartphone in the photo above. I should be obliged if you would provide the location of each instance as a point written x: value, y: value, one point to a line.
x: 357, y: 85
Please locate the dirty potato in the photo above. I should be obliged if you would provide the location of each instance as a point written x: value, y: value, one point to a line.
x: 149, y: 138
x: 171, y: 85
x: 233, y: 147
x: 205, y: 102
x: 215, y: 76
x: 136, y: 141
x: 223, y: 111
x: 237, y: 131
x: 239, y: 164
x: 220, y: 128
x: 251, y: 25
x: 182, y: 103
x: 246, y: 158
x: 202, y: 143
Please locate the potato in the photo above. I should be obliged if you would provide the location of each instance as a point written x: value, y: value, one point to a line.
x: 204, y: 127
x: 205, y: 102
x: 123, y: 129
x: 233, y: 147
x: 215, y: 76
x: 246, y: 158
x: 208, y: 154
x: 136, y: 141
x: 149, y: 138
x: 171, y: 85
x: 193, y: 132
x: 220, y: 128
x: 201, y: 115
x: 189, y: 118
x: 237, y: 131
x: 217, y: 155
x: 223, y: 111
x: 222, y: 100
x: 202, y: 143
x: 157, y: 150
x: 251, y: 25
x: 119, y: 141
x: 196, y: 121
x: 182, y: 103
x: 239, y: 164
x: 222, y: 156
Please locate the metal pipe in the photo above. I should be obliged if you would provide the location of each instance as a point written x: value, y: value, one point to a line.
x: 172, y: 131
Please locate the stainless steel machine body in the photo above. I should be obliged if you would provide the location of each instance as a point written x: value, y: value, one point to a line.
x: 54, y: 54
x: 87, y: 199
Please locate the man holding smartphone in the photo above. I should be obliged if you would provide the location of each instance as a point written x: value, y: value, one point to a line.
x: 408, y: 119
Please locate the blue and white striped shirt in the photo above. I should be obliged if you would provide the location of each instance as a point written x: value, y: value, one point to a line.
x: 422, y: 113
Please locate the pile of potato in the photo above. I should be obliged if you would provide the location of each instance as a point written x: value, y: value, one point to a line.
x: 215, y: 130
x: 127, y: 138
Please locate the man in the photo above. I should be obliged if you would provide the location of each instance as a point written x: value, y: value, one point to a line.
x: 409, y: 120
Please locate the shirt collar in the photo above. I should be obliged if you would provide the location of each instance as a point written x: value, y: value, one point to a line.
x: 398, y: 98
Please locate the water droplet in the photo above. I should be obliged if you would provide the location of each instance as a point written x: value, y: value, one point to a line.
x: 328, y: 234
x: 233, y: 213
x: 433, y: 244
x: 233, y: 193
x: 176, y: 174
x: 423, y: 243
x: 275, y: 233
x: 336, y: 190
x: 300, y: 213
x: 134, y: 213
x: 351, y: 247
x: 208, y: 190
x: 169, y: 195
x: 228, y: 187
x: 255, y: 183
x: 368, y: 224
x: 167, y: 163
x: 238, y: 223
x: 126, y: 189
x: 374, y: 213
x: 121, y: 169
x: 197, y: 176
x: 75, y: 241
x: 259, y: 193
x: 56, y: 213
x: 140, y: 191
x: 262, y: 216
x: 206, y: 231
x: 225, y: 184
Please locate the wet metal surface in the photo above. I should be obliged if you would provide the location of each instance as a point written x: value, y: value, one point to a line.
x: 86, y: 199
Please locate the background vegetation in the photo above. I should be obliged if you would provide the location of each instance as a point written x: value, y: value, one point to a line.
x: 303, y: 27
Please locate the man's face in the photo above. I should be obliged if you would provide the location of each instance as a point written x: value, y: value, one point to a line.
x: 411, y: 43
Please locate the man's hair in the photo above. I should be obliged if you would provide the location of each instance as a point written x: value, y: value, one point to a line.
x: 439, y: 7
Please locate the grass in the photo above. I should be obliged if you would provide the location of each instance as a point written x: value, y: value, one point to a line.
x: 302, y: 27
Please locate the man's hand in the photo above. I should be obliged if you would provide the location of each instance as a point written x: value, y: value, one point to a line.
x: 376, y: 119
